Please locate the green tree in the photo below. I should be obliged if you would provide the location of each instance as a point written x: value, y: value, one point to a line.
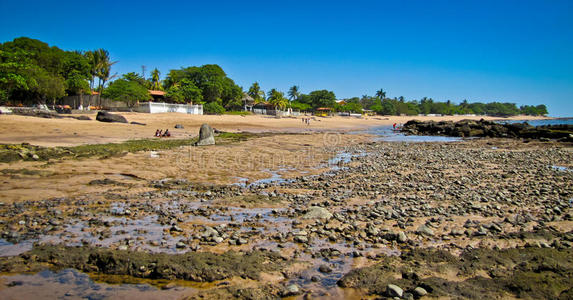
x: 214, y: 84
x: 256, y: 93
x: 322, y: 98
x: 381, y: 94
x: 213, y: 108
x: 155, y: 81
x: 76, y: 84
x: 127, y: 91
x: 297, y: 105
x: 293, y: 93
x: 185, y: 91
x: 277, y: 99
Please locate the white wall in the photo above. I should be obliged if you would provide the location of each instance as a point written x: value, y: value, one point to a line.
x: 161, y: 107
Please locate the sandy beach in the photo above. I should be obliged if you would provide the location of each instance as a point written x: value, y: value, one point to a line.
x: 70, y: 132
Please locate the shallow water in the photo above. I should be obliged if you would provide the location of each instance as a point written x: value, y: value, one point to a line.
x: 386, y: 134
x: 72, y: 284
x: 561, y: 121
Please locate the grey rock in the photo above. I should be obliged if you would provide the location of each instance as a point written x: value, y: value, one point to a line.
x: 420, y: 292
x: 394, y: 291
x: 292, y: 289
x: 325, y: 269
x: 316, y: 212
x: 402, y: 238
x: 425, y: 230
x: 206, y: 136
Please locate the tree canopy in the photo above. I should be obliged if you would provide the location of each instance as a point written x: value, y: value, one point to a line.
x: 211, y: 81
x: 129, y: 91
x: 33, y: 72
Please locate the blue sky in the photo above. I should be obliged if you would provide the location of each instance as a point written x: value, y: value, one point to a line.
x: 515, y: 51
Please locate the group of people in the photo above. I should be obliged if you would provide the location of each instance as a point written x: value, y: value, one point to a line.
x: 160, y: 133
x: 397, y: 127
x: 306, y: 121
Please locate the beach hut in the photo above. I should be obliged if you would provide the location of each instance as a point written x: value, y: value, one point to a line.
x: 368, y: 112
x: 248, y: 102
x: 158, y: 96
x: 323, y: 112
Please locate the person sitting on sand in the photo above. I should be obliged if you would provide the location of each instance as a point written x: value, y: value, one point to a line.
x: 167, y: 133
x: 157, y: 132
x: 160, y: 133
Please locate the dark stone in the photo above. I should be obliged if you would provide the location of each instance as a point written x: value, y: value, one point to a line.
x: 104, y: 116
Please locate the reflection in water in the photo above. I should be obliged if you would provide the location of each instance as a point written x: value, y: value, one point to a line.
x: 72, y: 284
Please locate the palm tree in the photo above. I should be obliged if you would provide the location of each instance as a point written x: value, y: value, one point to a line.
x: 277, y: 99
x: 155, y: 82
x: 104, y: 70
x: 293, y: 93
x: 94, y: 66
x: 381, y: 94
x: 256, y: 93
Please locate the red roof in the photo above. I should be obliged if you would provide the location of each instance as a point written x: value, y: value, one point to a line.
x: 157, y: 93
x: 323, y: 108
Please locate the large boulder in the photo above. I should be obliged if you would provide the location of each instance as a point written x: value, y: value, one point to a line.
x: 316, y: 212
x: 206, y: 136
x: 104, y: 116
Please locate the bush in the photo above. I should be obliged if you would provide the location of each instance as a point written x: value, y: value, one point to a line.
x: 213, y: 108
x: 238, y: 113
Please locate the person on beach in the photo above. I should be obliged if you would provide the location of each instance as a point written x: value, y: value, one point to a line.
x: 394, y: 126
x: 157, y: 132
x: 167, y: 133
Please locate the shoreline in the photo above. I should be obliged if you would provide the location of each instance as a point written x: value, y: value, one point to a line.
x: 16, y: 129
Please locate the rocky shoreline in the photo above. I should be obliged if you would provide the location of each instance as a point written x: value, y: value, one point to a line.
x: 483, y: 128
x: 462, y: 220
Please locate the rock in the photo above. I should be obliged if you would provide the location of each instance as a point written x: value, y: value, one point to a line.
x: 176, y: 228
x: 218, y: 239
x: 316, y: 212
x: 209, y: 232
x: 402, y: 238
x: 180, y: 245
x: 420, y: 292
x: 206, y: 136
x: 179, y: 126
x: 169, y: 286
x: 104, y: 116
x: 292, y: 290
x: 325, y: 269
x: 394, y: 291
x: 301, y: 239
x: 425, y: 230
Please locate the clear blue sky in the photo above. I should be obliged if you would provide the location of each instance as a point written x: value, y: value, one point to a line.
x: 515, y: 51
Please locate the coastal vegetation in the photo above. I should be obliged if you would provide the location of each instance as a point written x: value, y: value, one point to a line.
x: 32, y: 72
